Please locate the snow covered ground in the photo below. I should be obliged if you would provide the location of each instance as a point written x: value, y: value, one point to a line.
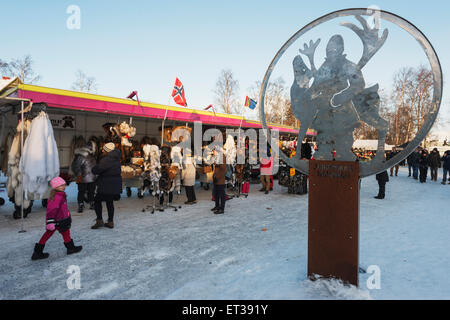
x: 256, y: 250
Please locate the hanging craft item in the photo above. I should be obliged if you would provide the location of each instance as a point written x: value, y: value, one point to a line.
x: 174, y: 172
x: 152, y: 167
x: 167, y: 135
x: 127, y: 132
x: 40, y: 160
x: 13, y: 186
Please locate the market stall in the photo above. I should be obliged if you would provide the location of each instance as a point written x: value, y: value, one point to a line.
x: 131, y: 125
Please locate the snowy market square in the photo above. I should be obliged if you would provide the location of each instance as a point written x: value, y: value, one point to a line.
x: 218, y: 159
x: 257, y: 251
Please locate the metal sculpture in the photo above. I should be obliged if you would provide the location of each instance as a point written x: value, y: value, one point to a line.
x: 337, y: 99
x: 333, y: 99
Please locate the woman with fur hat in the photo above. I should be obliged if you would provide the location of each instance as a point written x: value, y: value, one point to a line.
x: 82, y: 165
x: 109, y: 184
x: 57, y: 218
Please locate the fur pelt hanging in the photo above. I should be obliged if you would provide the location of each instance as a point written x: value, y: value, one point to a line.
x: 5, y: 150
x: 152, y: 166
x: 40, y: 159
x: 13, y: 186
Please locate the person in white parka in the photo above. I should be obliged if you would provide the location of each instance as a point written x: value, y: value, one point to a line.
x: 188, y: 176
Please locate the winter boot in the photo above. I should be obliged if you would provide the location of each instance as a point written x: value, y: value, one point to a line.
x: 38, y: 254
x: 98, y: 224
x: 71, y: 248
x: 80, y: 207
x: 109, y: 224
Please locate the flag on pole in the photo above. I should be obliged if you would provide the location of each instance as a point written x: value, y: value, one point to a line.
x: 210, y: 107
x: 178, y: 93
x: 250, y: 103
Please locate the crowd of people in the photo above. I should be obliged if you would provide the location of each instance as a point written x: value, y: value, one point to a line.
x: 420, y: 160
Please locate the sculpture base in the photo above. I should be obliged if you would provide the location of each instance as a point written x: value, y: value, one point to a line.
x: 333, y: 220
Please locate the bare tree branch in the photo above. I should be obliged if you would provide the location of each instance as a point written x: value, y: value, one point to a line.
x: 84, y: 83
x: 226, y: 92
x: 23, y: 68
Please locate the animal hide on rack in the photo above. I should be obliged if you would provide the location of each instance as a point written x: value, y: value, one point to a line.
x: 13, y: 186
x: 40, y: 160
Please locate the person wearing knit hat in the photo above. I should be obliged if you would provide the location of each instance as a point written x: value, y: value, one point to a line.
x: 109, y: 184
x: 57, y: 218
x: 108, y: 147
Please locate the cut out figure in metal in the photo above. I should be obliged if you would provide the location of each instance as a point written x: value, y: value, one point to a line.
x: 337, y: 100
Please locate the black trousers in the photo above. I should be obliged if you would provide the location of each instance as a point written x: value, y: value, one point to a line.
x: 381, y: 188
x: 84, y: 188
x: 423, y: 174
x: 219, y: 196
x: 109, y: 199
x: 434, y: 172
x: 190, y: 193
x: 161, y: 198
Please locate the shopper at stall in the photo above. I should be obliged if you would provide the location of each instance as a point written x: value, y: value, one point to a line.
x: 266, y: 170
x: 109, y: 184
x: 57, y: 218
x: 220, y: 169
x: 188, y: 176
x: 82, y: 165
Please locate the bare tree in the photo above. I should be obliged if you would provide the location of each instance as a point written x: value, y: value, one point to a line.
x: 84, y: 83
x: 277, y: 103
x: 23, y: 68
x: 226, y: 92
x: 409, y: 105
x: 3, y: 68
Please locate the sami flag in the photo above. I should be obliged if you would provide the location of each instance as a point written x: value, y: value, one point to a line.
x: 250, y: 103
x: 178, y: 93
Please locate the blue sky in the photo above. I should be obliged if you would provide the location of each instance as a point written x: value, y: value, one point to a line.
x: 144, y: 45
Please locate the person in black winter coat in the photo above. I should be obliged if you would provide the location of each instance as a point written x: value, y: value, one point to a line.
x: 382, y: 178
x: 435, y: 163
x: 424, y: 162
x: 413, y: 161
x: 389, y: 156
x: 109, y: 184
x: 445, y: 166
x: 82, y: 165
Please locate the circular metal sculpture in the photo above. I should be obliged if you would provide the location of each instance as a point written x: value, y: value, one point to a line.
x: 333, y: 99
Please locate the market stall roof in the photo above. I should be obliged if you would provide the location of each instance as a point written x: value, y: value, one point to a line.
x: 97, y: 103
x: 8, y: 86
x: 369, y: 145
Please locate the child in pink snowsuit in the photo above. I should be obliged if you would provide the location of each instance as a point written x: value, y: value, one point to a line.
x: 57, y: 218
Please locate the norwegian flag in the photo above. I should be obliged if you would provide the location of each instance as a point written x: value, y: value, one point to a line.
x: 178, y: 93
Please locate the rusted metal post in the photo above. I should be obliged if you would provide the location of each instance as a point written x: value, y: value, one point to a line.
x: 333, y: 220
